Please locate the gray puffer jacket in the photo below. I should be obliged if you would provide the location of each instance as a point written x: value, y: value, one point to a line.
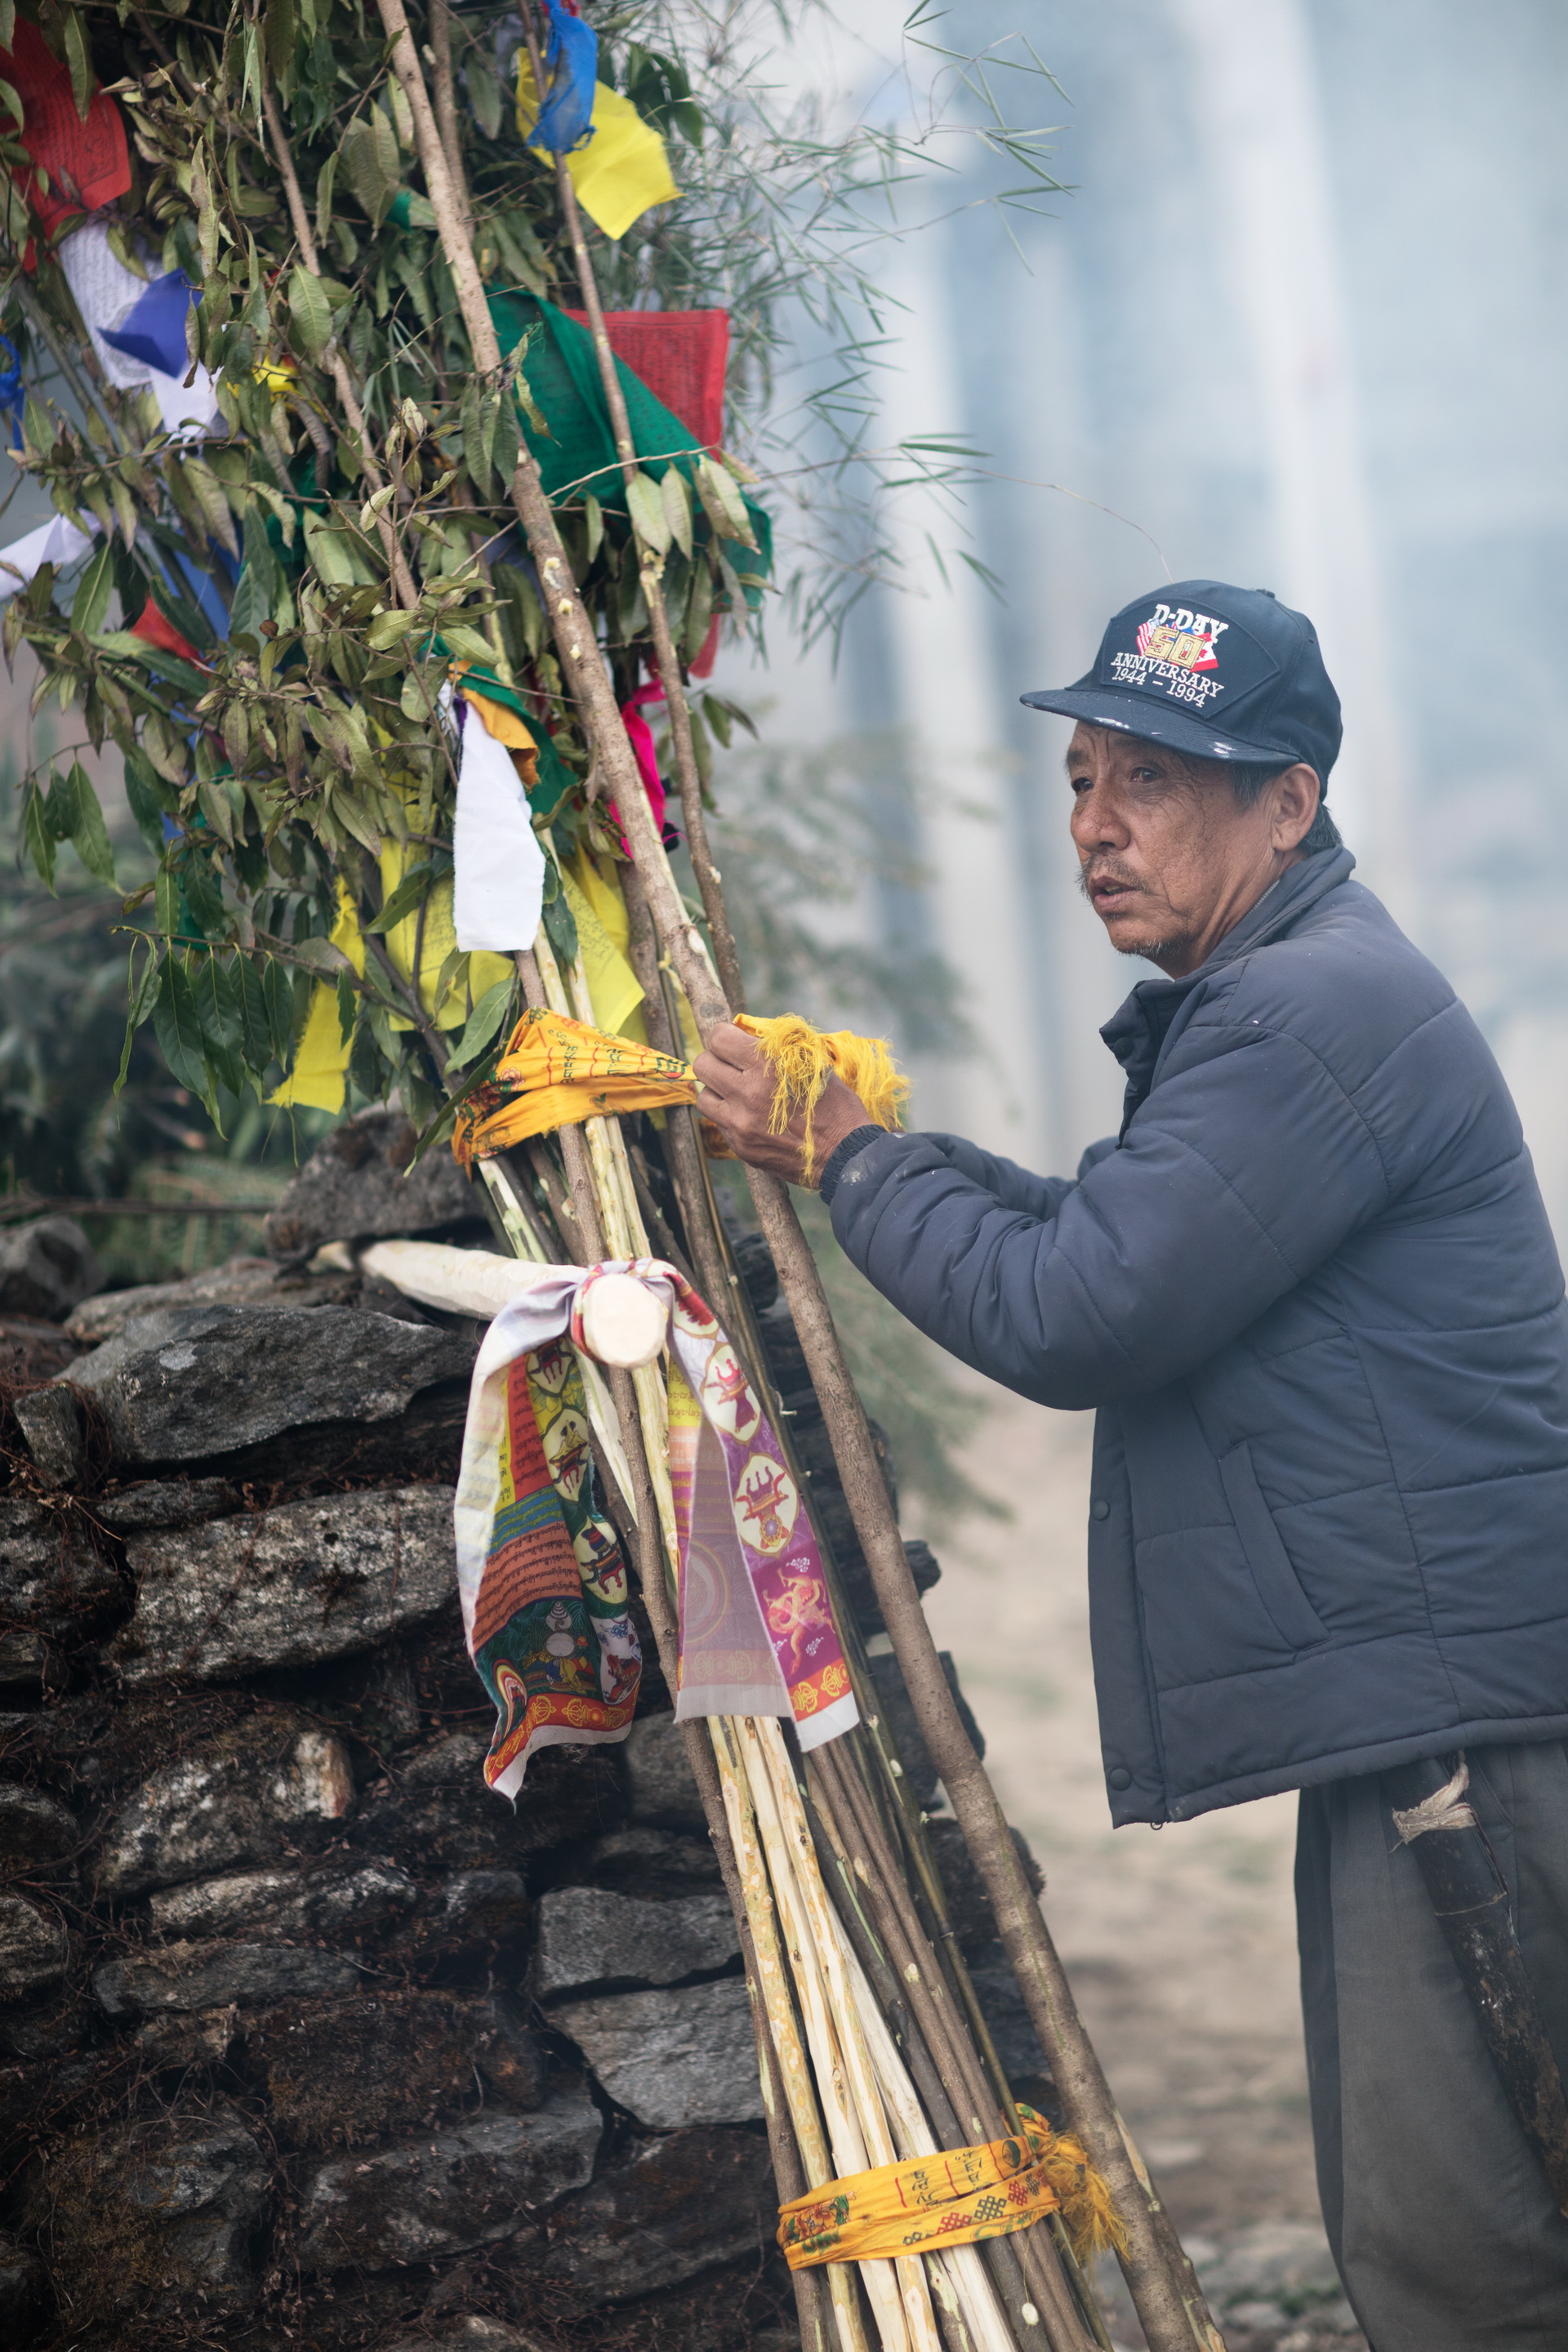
x: 1313, y: 1293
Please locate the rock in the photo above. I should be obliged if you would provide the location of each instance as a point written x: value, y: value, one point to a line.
x: 661, y: 2211
x: 653, y: 1863
x: 242, y: 1282
x: 343, y: 2072
x: 659, y: 1783
x: 442, y: 1816
x: 354, y: 1187
x: 1273, y: 2261
x: 214, y: 1976
x: 671, y: 2058
x: 290, y: 1587
x: 861, y: 1593
x: 151, y: 2213
x: 46, y: 1267
x: 234, y: 1799
x: 33, y: 1947
x: 162, y: 1503
x: 447, y: 2191
x: 32, y: 1351
x: 968, y: 1905
x: 50, y: 1421
x: 587, y: 1936
x: 326, y: 1903
x: 487, y: 1906
x: 754, y: 1264
x: 54, y: 1587
x: 905, y: 1728
x: 35, y: 1827
x: 24, y: 2293
x: 171, y: 2038
x: 186, y: 1384
x: 471, y: 2331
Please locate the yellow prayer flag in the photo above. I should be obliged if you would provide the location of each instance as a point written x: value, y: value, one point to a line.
x: 603, y: 933
x: 622, y: 171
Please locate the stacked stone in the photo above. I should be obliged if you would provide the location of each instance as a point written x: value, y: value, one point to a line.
x: 305, y: 2036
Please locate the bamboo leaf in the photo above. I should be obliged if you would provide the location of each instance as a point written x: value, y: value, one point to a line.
x: 279, y: 36
x: 254, y: 1023
x: 79, y: 58
x: 139, y: 995
x: 308, y: 310
x: 39, y: 836
x: 675, y: 500
x: 178, y: 1027
x: 645, y: 504
x: 483, y: 1022
x: 406, y: 900
x: 90, y: 605
x: 89, y: 836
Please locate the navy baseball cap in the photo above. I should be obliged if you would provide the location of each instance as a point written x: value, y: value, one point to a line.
x: 1221, y: 673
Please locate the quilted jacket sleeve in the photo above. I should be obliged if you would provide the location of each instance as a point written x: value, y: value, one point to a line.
x: 1246, y: 1167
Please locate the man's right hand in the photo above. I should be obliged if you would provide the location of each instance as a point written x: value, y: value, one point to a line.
x: 737, y: 1086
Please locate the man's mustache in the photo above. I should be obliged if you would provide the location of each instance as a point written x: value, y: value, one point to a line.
x: 1103, y: 870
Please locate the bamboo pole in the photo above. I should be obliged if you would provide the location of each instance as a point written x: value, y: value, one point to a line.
x: 1164, y: 2285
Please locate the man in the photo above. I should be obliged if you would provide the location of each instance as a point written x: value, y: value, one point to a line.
x: 1311, y: 1290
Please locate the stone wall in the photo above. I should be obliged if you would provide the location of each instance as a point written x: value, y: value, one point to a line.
x: 305, y: 2037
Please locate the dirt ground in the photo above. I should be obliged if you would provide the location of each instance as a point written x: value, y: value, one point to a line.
x: 1180, y: 1943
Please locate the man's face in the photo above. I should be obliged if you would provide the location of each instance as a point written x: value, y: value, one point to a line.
x: 1169, y: 860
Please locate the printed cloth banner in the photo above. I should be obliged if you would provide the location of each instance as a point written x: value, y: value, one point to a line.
x: 951, y: 2198
x: 109, y: 297
x: 757, y: 1635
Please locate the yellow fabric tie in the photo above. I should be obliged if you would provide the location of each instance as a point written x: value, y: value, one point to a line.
x: 557, y: 1073
x: 954, y: 2198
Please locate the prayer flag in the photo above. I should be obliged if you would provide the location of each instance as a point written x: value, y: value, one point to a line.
x: 55, y: 541
x: 622, y: 171
x: 497, y: 863
x: 570, y: 63
x: 153, y: 329
x: 86, y: 163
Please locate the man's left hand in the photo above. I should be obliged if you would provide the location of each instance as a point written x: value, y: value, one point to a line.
x: 738, y: 1083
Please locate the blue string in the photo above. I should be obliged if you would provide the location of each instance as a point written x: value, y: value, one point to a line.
x: 11, y: 392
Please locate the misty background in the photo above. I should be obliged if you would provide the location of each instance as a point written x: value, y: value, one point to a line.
x: 1299, y: 322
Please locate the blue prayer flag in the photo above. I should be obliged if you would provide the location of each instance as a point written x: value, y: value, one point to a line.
x: 571, y: 64
x: 153, y: 329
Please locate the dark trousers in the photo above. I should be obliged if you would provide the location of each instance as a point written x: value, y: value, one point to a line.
x: 1442, y: 2225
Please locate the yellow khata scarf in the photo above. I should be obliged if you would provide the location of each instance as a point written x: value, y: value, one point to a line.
x: 555, y: 1073
x: 954, y: 2198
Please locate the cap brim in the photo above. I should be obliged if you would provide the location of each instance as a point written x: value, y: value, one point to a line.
x: 1134, y: 714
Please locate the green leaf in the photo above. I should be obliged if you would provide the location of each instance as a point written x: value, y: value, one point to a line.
x: 178, y: 1027
x: 471, y: 418
x: 84, y: 81
x: 216, y: 1002
x: 59, y: 808
x: 561, y: 928
x: 389, y: 629
x: 645, y: 504
x: 319, y: 956
x: 467, y: 643
x: 38, y: 836
x: 7, y: 23
x: 166, y: 902
x: 144, y: 799
x: 722, y: 503
x: 255, y: 1021
x: 139, y: 995
x: 506, y: 439
x: 309, y: 313
x: 9, y: 98
x: 406, y: 900
x: 328, y: 553
x: 483, y: 1022
x: 280, y: 32
x: 675, y: 500
x: 90, y: 838
x: 278, y: 987
x: 348, y: 1004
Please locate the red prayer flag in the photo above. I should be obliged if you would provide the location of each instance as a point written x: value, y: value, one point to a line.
x: 155, y: 628
x: 87, y: 162
x: 681, y: 356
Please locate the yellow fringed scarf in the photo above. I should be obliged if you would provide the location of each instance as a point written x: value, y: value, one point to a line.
x: 556, y: 1072
x: 954, y: 2198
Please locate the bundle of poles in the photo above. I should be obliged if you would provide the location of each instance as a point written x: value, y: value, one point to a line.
x: 870, y: 2043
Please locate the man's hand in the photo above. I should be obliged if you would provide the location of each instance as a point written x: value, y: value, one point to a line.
x: 738, y: 1083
